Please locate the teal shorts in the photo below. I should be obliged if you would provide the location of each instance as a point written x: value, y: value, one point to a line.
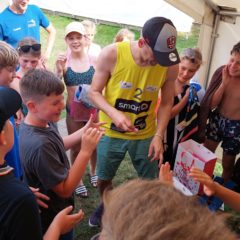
x: 111, y: 152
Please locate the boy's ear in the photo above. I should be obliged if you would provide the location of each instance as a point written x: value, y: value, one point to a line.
x: 31, y: 106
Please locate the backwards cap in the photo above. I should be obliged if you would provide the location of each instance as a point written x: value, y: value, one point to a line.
x: 10, y: 102
x: 161, y: 35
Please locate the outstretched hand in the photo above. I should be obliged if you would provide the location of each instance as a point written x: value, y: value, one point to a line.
x: 90, y: 139
x: 209, y: 186
x: 65, y: 221
x: 166, y: 174
x: 91, y: 124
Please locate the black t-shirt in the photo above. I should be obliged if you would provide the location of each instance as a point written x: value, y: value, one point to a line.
x: 45, y: 165
x: 19, y: 213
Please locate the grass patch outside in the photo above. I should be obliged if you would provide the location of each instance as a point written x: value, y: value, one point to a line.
x: 104, y: 36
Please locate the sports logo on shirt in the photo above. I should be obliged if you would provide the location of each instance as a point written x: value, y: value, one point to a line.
x: 140, y: 123
x: 132, y: 106
x: 31, y: 23
x: 125, y: 85
x: 17, y: 29
x: 150, y: 88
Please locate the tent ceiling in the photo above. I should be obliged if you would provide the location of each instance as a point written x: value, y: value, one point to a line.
x: 197, y: 10
x: 229, y: 5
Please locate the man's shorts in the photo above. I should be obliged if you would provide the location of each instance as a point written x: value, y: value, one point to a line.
x: 111, y: 152
x: 222, y: 129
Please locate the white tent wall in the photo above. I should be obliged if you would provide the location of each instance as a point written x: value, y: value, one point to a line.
x: 228, y: 35
x: 203, y: 14
x: 125, y: 12
x: 216, y: 36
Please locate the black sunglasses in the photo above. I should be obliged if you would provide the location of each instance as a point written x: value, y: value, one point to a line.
x: 26, y: 48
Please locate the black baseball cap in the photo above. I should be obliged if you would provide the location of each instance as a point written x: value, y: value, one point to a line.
x: 161, y: 35
x: 10, y: 102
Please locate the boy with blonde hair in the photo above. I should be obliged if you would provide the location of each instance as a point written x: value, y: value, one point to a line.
x: 8, y: 64
x: 92, y: 48
x: 141, y: 209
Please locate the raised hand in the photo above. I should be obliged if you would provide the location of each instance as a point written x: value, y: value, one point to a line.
x: 90, y: 139
x: 226, y: 78
x: 60, y: 64
x: 209, y: 186
x: 91, y: 124
x: 165, y: 174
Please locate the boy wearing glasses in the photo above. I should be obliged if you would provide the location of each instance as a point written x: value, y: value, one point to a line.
x: 29, y: 51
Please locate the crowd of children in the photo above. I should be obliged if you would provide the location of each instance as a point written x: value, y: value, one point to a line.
x: 35, y: 172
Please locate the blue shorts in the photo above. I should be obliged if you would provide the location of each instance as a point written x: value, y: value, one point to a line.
x: 222, y: 129
x: 111, y: 152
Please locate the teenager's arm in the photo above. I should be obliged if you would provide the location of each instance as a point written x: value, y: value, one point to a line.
x: 75, y: 138
x: 89, y: 142
x: 163, y: 115
x: 217, y: 96
x: 219, y: 93
x: 178, y: 107
x: 228, y: 196
x: 50, y: 41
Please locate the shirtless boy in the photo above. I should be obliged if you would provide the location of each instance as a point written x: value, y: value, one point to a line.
x: 224, y: 120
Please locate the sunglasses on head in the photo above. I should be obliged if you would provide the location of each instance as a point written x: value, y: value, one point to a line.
x: 26, y: 48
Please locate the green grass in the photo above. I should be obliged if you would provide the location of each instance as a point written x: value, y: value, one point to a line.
x: 83, y: 231
x: 105, y: 35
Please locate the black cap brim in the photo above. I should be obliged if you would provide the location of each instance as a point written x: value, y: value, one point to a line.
x: 10, y: 103
x: 167, y: 59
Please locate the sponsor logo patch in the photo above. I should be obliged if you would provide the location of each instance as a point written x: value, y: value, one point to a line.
x: 172, y: 57
x: 126, y: 85
x: 31, y: 23
x: 140, y: 123
x: 132, y: 106
x: 17, y: 29
x: 171, y: 42
x: 151, y: 89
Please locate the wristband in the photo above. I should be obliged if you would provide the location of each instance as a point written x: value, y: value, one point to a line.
x: 159, y: 135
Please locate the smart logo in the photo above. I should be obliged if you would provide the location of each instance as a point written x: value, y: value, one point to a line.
x: 132, y: 106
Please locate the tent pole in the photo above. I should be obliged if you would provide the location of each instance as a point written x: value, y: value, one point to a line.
x: 212, y: 43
